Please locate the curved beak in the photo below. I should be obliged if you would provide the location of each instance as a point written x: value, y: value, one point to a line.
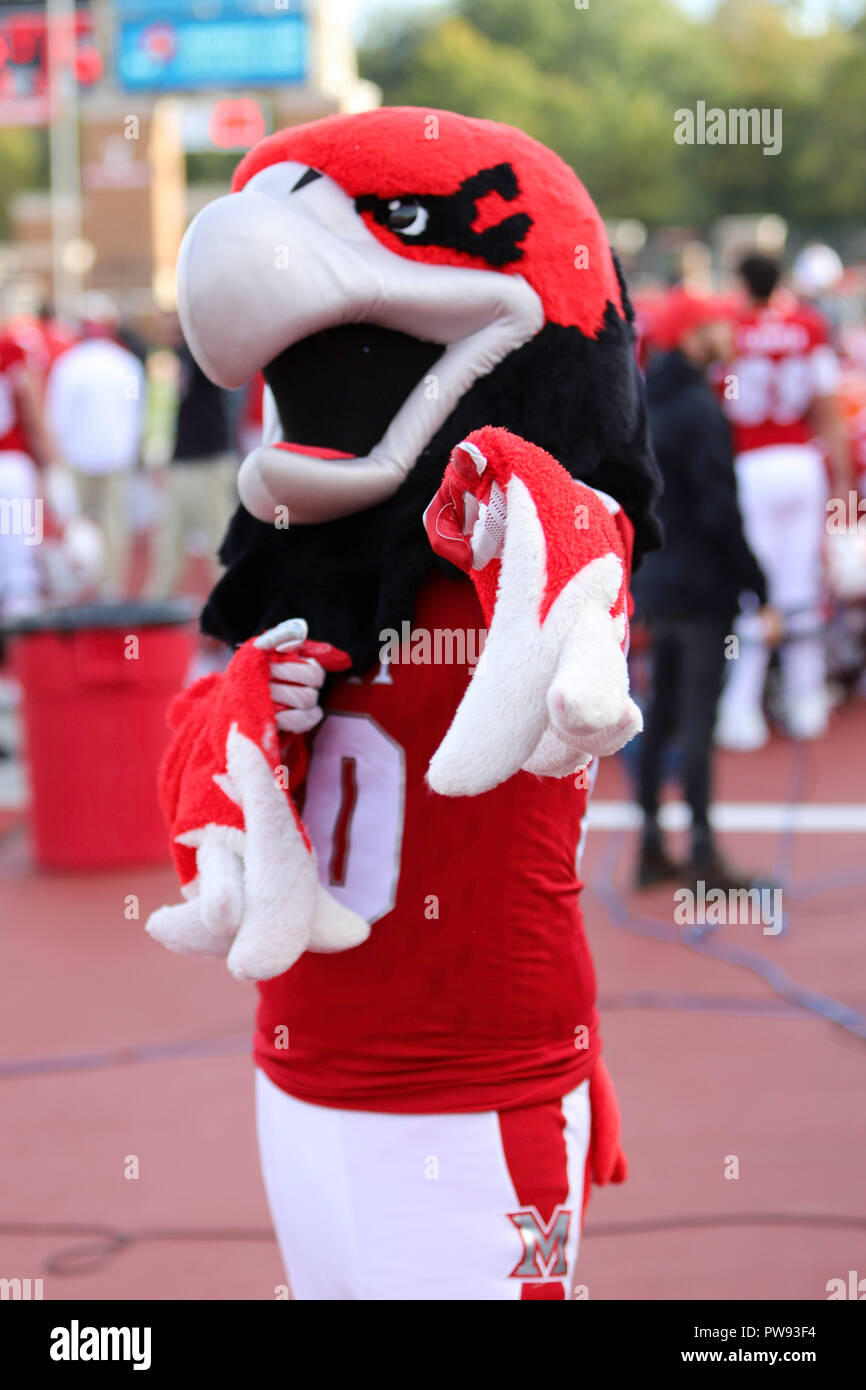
x: 255, y: 276
x: 259, y: 273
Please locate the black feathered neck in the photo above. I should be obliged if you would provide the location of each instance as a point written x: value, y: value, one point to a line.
x: 580, y: 398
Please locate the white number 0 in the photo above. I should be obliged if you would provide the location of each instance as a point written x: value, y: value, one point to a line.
x: 354, y: 810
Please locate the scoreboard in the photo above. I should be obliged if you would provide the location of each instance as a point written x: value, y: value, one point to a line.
x: 159, y: 46
x: 177, y: 45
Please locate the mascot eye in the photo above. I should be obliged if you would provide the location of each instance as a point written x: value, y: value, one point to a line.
x: 406, y: 215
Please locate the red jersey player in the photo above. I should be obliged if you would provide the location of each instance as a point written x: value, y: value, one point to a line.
x: 779, y: 397
x: 21, y: 436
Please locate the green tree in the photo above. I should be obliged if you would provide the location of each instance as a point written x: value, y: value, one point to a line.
x: 23, y: 165
x: 601, y: 85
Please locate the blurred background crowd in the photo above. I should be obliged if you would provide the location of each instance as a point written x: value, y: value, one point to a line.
x: 131, y: 451
x: 120, y: 118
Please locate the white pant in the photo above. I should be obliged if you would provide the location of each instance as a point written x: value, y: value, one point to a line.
x: 20, y: 534
x: 402, y: 1207
x: 201, y: 497
x: 782, y: 492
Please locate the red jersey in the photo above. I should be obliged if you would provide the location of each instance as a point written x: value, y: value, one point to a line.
x: 12, y: 432
x: 852, y: 408
x: 43, y: 340
x: 782, y: 362
x: 475, y: 990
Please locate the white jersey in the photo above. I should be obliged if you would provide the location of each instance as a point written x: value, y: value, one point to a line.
x: 95, y: 406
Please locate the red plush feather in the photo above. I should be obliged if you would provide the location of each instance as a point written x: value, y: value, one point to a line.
x: 405, y: 149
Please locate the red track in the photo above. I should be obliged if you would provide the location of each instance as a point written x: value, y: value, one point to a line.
x: 781, y: 1091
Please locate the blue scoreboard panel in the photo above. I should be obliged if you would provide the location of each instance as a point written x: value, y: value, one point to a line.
x: 177, y: 45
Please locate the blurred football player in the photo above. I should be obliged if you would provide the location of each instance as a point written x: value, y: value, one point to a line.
x: 780, y: 397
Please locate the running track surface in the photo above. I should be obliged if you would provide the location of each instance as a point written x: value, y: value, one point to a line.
x: 114, y: 1048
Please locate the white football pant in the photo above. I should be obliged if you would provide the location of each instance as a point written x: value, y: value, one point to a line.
x: 782, y: 492
x: 372, y: 1206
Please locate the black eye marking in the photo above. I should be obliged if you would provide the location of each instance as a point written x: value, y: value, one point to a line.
x: 308, y: 176
x: 447, y: 220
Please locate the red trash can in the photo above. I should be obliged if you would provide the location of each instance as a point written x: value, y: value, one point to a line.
x: 97, y: 681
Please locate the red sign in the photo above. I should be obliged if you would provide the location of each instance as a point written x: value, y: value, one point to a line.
x: 236, y: 123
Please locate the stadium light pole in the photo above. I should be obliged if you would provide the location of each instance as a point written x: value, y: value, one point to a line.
x: 64, y: 153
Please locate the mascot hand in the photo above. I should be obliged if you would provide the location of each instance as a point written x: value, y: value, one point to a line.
x: 549, y: 559
x: 299, y: 675
x: 247, y: 868
x: 606, y: 1160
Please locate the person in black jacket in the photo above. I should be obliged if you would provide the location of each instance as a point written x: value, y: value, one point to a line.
x: 688, y: 593
x: 200, y: 481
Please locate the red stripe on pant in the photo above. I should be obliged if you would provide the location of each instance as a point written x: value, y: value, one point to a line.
x: 533, y: 1142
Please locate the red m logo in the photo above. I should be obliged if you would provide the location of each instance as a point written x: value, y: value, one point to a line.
x: 543, y: 1243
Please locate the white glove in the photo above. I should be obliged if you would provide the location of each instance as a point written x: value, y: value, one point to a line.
x: 256, y: 896
x: 295, y: 684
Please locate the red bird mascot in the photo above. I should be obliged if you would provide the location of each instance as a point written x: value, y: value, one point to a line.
x: 454, y: 482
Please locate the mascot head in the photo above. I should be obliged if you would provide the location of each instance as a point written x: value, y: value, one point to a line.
x: 401, y: 278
